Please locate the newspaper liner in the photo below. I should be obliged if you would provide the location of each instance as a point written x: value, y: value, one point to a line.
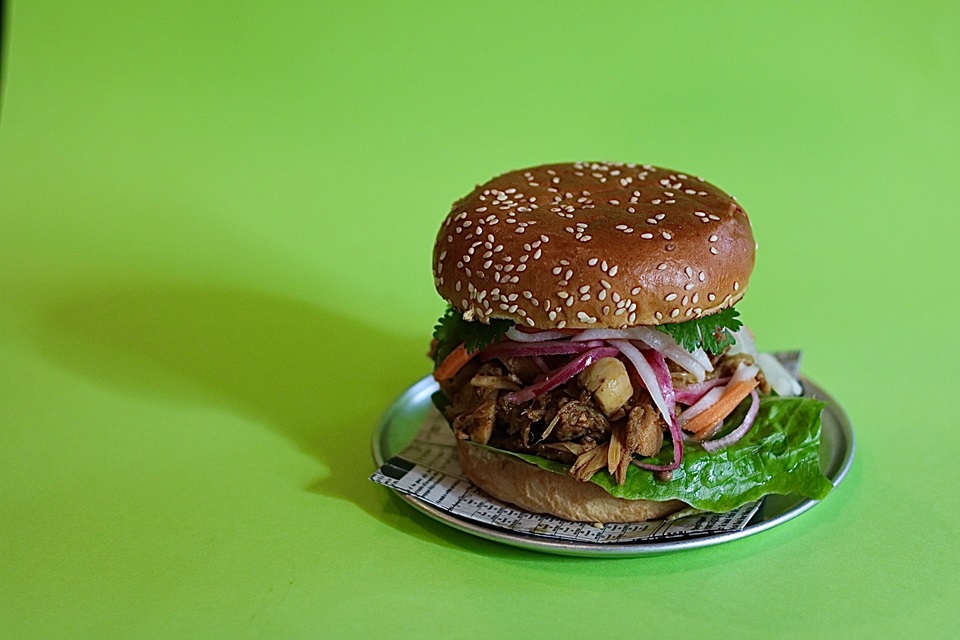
x: 429, y: 470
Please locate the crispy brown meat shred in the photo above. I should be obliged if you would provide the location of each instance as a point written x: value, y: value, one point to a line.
x: 644, y: 432
x: 565, y: 424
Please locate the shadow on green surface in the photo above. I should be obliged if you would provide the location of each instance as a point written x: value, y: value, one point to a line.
x: 310, y: 375
x: 314, y: 377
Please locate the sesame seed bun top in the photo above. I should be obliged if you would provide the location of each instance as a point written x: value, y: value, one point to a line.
x: 589, y: 245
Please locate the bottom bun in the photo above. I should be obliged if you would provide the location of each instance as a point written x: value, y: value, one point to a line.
x: 540, y: 491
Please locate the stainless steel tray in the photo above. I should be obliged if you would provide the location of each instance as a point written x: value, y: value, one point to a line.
x: 404, y: 417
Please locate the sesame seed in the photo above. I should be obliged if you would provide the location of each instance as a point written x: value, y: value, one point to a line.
x: 670, y: 297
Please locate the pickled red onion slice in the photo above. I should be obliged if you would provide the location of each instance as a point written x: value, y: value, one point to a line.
x: 715, y: 445
x: 557, y: 377
x: 692, y: 393
x: 546, y: 348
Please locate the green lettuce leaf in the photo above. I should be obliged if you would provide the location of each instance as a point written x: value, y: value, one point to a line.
x: 780, y: 454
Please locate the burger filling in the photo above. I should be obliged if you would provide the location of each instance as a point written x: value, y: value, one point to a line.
x: 603, y: 417
x: 688, y: 411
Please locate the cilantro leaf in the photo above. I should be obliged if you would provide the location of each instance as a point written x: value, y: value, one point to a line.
x: 711, y: 332
x: 452, y: 330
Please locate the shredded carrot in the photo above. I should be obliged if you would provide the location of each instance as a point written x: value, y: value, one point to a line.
x: 453, y: 363
x: 721, y: 408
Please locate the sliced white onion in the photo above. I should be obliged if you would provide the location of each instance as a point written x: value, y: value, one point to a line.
x: 538, y: 336
x: 657, y: 339
x: 778, y: 377
x: 701, y: 356
x: 701, y: 405
x: 646, y: 373
x: 744, y: 372
x: 665, y: 344
x: 602, y: 334
x: 744, y: 343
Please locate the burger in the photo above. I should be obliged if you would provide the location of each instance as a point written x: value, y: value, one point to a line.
x: 591, y: 362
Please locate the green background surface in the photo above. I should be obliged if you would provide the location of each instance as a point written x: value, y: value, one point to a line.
x: 216, y: 221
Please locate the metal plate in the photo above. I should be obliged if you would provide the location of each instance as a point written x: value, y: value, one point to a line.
x: 400, y: 423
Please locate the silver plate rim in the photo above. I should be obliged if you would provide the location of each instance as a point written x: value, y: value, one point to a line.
x: 843, y: 443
